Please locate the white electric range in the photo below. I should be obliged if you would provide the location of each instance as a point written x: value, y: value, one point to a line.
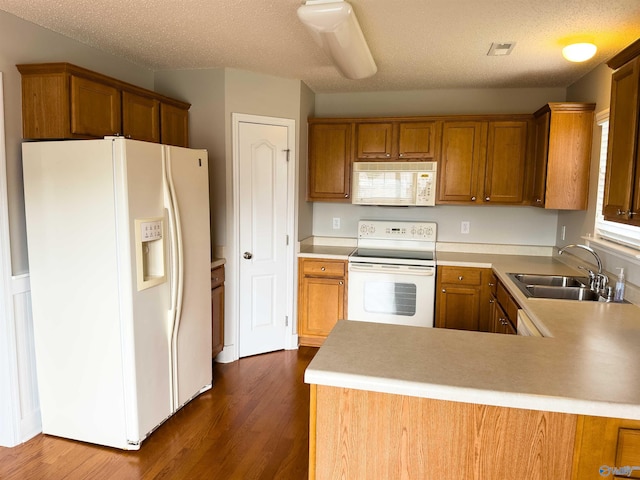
x: 392, y: 273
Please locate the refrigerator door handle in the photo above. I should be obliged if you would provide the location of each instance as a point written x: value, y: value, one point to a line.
x: 177, y: 272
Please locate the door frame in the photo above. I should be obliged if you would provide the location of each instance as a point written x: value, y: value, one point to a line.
x: 9, y: 383
x: 232, y: 280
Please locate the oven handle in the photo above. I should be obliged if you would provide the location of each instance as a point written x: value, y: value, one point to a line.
x: 397, y: 269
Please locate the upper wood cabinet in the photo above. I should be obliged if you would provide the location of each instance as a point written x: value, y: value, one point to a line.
x: 563, y: 133
x: 622, y: 183
x: 396, y: 140
x: 61, y: 101
x: 140, y: 117
x: 484, y: 161
x: 330, y: 157
x: 174, y: 125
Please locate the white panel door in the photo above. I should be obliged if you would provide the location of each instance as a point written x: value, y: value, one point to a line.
x: 262, y: 239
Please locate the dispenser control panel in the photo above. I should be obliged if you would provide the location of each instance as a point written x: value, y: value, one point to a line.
x: 151, y: 230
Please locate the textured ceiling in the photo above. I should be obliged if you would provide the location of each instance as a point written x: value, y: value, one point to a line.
x: 417, y: 44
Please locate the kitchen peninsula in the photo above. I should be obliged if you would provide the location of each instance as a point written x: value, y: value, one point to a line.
x: 392, y: 401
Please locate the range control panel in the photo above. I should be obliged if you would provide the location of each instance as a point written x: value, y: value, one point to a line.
x: 397, y: 230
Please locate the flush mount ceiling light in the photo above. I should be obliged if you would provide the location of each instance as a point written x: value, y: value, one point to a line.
x: 334, y: 26
x: 579, y: 52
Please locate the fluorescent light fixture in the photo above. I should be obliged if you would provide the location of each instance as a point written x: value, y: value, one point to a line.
x: 579, y: 52
x: 334, y: 26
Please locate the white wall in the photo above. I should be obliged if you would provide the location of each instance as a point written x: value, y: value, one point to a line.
x: 305, y: 209
x: 496, y: 225
x: 205, y: 90
x: 489, y: 224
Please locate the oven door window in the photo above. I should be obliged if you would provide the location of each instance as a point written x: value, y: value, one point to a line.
x: 391, y: 298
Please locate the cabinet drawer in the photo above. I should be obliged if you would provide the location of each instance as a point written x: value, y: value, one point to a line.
x: 217, y: 276
x: 460, y: 276
x: 324, y: 268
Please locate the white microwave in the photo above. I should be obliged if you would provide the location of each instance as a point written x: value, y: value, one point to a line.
x: 394, y: 183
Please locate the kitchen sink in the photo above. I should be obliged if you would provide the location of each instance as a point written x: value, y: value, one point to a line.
x: 563, y: 293
x: 555, y: 286
x: 550, y: 280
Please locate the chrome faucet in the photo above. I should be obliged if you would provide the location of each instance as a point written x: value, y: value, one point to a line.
x: 597, y: 282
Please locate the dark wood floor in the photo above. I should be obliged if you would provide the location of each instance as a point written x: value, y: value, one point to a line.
x: 252, y: 425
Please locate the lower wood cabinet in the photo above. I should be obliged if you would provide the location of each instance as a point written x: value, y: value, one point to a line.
x: 322, y: 298
x: 217, y: 310
x: 606, y: 448
x: 462, y: 298
x: 504, y: 310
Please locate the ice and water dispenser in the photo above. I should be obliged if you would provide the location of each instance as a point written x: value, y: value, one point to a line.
x: 150, y: 257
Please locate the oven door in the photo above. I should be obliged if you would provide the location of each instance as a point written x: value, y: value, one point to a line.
x: 396, y: 294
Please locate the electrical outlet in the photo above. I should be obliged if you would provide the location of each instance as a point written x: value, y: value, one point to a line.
x: 336, y: 223
x: 464, y: 227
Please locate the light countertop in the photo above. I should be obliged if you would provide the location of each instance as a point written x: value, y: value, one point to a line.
x: 326, y: 251
x: 587, y: 364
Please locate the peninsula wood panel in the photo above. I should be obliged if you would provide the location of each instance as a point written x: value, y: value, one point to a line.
x: 369, y: 435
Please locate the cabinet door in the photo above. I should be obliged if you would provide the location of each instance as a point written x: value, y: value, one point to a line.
x: 321, y: 305
x: 140, y: 117
x: 506, y: 162
x: 375, y: 141
x: 174, y: 125
x: 217, y: 320
x: 417, y: 140
x: 461, y: 161
x: 458, y: 307
x: 500, y: 321
x: 541, y: 124
x: 330, y: 154
x: 95, y: 108
x: 622, y: 155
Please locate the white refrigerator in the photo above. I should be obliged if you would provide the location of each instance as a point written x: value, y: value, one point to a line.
x: 119, y: 259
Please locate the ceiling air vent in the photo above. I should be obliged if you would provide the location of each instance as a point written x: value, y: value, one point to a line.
x: 500, y: 49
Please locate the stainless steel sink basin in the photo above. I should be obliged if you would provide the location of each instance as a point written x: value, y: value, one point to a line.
x: 563, y: 293
x: 555, y: 286
x: 551, y: 280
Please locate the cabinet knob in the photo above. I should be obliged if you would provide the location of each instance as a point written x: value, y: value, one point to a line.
x: 388, y: 155
x: 346, y: 195
x: 491, y: 284
x: 323, y: 269
x: 340, y: 282
x: 538, y: 200
x: 444, y: 290
x: 402, y: 154
x: 473, y: 199
x: 631, y: 214
x: 492, y: 301
x: 460, y: 277
x: 620, y: 212
x: 487, y: 199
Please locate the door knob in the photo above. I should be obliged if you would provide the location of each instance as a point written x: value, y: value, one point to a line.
x: 248, y: 255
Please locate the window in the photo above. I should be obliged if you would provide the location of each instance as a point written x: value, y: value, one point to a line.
x: 615, y: 232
